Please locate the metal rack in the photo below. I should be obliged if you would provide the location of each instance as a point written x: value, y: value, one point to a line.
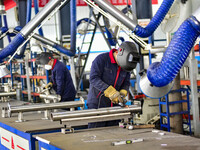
x: 167, y: 114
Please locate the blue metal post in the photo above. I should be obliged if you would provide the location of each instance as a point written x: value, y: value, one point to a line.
x: 22, y: 80
x: 167, y: 111
x: 150, y: 42
x: 160, y: 109
x: 33, y: 84
x: 47, y: 76
x: 9, y: 40
x: 188, y: 106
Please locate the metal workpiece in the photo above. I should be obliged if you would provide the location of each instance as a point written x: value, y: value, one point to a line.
x: 108, y: 7
x: 42, y: 107
x: 37, y: 107
x: 51, y: 97
x: 4, y: 112
x: 152, y: 91
x: 32, y: 24
x: 94, y: 112
x: 71, y: 122
x: 8, y: 94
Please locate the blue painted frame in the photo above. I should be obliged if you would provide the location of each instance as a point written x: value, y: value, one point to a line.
x: 27, y: 136
x: 47, y: 146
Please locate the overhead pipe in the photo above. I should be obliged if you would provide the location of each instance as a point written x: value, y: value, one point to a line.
x: 139, y: 31
x: 42, y: 39
x: 158, y: 80
x: 28, y: 28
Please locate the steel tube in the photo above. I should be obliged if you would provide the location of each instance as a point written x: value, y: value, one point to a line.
x: 8, y: 94
x: 108, y: 7
x: 85, y: 120
x: 37, y: 107
x: 31, y: 25
x: 94, y: 112
x: 43, y: 40
x: 50, y: 97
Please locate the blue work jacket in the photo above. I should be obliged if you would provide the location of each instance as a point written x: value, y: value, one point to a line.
x: 105, y: 72
x: 62, y: 81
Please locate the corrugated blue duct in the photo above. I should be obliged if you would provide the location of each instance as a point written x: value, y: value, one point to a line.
x: 11, y: 48
x: 155, y: 21
x: 162, y: 73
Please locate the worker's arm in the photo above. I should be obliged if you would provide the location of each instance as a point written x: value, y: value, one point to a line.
x: 97, y: 70
x: 126, y: 83
x: 60, y: 78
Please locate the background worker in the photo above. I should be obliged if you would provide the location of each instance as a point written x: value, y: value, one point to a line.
x: 61, y: 80
x: 110, y: 78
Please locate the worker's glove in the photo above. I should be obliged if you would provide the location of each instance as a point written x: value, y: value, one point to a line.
x: 49, y: 85
x: 113, y: 94
x: 123, y: 92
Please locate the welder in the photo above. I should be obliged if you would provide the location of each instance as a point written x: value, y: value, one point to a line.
x: 110, y: 78
x: 61, y: 79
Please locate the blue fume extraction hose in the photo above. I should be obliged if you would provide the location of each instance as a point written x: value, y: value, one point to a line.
x: 155, y: 21
x: 162, y: 73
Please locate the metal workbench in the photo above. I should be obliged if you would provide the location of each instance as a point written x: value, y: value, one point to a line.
x: 101, y: 139
x: 20, y: 134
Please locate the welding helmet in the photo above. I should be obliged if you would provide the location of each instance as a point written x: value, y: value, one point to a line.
x: 44, y: 58
x: 128, y: 56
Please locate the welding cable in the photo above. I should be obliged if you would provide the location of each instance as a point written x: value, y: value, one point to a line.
x: 162, y: 73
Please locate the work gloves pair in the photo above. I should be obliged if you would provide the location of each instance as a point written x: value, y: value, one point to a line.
x: 114, y: 95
